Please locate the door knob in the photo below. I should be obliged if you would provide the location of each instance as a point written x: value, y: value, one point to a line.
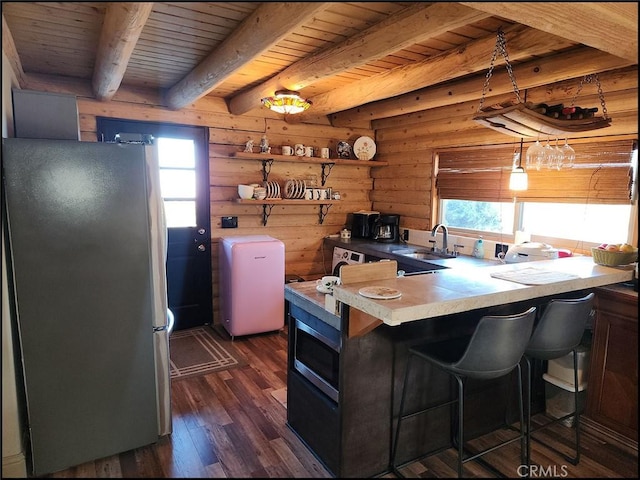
x: 201, y: 247
x: 201, y: 231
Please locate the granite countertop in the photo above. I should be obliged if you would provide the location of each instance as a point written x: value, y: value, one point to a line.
x: 457, y: 290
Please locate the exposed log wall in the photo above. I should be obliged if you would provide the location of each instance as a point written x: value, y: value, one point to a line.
x: 408, y: 142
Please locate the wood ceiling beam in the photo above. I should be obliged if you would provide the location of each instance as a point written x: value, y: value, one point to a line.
x: 411, y: 25
x: 522, y: 42
x: 535, y: 73
x: 608, y: 26
x: 123, y: 23
x: 259, y: 32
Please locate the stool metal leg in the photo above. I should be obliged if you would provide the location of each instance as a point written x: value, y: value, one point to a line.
x: 575, y: 414
x: 576, y: 418
x: 394, y: 449
x: 460, y: 423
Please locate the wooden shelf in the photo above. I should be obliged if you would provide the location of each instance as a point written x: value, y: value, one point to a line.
x: 285, y: 201
x: 521, y: 121
x: 317, y: 160
x: 327, y: 164
x: 269, y: 203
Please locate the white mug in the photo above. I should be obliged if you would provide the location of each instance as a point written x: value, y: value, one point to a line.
x: 308, y: 194
x: 324, y: 152
x: 318, y: 194
x: 287, y: 150
x: 299, y: 150
x: 308, y: 151
x: 328, y: 282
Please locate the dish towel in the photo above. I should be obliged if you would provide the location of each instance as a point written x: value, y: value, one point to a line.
x: 534, y: 276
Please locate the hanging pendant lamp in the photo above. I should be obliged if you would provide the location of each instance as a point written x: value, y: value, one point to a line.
x: 286, y: 102
x: 519, y: 180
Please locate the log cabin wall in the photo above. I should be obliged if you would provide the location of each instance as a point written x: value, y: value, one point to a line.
x: 297, y: 226
x: 409, y: 142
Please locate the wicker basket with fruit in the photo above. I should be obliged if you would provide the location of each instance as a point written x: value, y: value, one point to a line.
x: 614, y: 255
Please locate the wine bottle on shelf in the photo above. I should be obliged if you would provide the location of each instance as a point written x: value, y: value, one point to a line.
x: 579, y: 113
x: 549, y: 110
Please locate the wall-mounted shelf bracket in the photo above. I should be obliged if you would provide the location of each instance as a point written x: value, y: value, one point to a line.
x: 266, y: 169
x: 326, y: 175
x: 324, y: 209
x: 266, y: 211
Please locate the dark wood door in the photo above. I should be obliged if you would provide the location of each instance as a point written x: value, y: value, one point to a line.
x: 184, y: 177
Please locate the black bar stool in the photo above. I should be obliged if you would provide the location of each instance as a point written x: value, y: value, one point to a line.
x: 494, y: 350
x: 556, y: 334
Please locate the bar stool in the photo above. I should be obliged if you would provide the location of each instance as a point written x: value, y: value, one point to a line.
x: 494, y: 350
x: 557, y: 333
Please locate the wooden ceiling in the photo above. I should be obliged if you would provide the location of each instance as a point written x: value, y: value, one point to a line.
x: 346, y: 57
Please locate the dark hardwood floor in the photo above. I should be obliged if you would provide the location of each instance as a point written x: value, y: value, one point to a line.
x: 227, y: 424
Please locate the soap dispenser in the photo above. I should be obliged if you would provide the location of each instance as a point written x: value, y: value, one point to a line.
x: 478, y: 248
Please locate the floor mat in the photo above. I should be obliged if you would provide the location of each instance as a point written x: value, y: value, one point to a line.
x: 201, y: 350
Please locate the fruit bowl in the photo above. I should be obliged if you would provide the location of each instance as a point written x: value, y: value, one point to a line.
x: 613, y: 259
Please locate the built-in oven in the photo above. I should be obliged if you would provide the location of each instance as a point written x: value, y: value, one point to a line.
x: 316, y: 353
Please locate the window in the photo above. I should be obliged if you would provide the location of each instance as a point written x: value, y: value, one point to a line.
x: 178, y: 180
x: 588, y: 203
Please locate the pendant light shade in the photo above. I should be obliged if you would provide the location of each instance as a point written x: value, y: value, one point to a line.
x: 287, y: 102
x: 519, y: 179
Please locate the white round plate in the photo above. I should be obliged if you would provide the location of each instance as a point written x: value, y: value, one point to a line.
x: 380, y: 293
x: 364, y: 148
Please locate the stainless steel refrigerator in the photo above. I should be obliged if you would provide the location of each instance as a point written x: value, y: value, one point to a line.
x: 86, y: 258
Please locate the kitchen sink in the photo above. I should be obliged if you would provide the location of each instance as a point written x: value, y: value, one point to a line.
x: 421, y: 254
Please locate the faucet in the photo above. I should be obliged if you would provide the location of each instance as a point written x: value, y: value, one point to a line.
x: 445, y: 234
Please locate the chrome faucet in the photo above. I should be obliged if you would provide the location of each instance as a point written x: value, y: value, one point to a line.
x: 445, y: 234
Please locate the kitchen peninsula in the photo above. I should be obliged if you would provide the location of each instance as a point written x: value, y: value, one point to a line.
x: 351, y: 428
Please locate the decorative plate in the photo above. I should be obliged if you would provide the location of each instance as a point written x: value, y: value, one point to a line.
x: 364, y: 148
x: 344, y: 150
x: 380, y: 293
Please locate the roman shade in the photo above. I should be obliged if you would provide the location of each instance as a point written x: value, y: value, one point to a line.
x: 602, y: 173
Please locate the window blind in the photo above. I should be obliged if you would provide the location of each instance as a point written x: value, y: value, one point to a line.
x: 602, y: 173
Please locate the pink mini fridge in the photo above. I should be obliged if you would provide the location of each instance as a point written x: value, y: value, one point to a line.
x: 251, y: 284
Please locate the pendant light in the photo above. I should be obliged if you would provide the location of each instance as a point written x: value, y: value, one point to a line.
x: 287, y: 102
x: 519, y: 179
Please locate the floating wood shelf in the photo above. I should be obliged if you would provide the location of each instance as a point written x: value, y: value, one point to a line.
x: 269, y: 203
x: 520, y: 121
x: 298, y: 159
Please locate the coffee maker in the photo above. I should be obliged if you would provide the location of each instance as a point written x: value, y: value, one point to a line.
x: 363, y: 224
x: 387, y: 228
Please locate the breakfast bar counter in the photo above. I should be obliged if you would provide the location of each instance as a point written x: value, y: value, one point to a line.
x: 455, y: 290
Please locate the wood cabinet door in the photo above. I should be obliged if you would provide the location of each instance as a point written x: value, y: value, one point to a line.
x: 613, y: 382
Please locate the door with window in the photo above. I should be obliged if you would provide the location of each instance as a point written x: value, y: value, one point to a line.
x: 184, y: 179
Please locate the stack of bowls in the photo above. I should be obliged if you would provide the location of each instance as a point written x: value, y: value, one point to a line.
x: 260, y: 193
x: 245, y: 191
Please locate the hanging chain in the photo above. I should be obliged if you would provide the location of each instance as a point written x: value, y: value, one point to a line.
x: 590, y: 79
x: 501, y: 47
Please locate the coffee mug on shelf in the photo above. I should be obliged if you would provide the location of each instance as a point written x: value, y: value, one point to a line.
x: 299, y: 149
x: 308, y: 151
x: 324, y: 152
x: 308, y: 194
x: 287, y: 150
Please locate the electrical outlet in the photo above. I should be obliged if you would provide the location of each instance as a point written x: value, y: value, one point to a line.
x: 501, y: 247
x: 405, y: 235
x: 229, y: 222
